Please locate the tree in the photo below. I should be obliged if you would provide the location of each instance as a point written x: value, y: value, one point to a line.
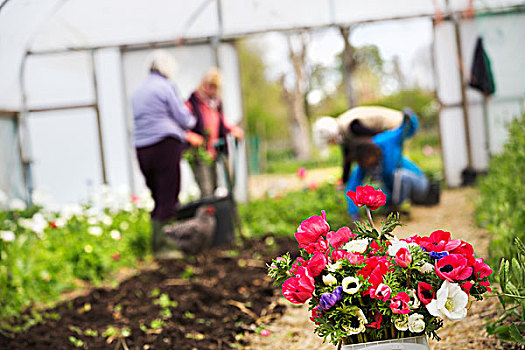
x: 263, y: 108
x: 294, y: 95
x: 348, y: 64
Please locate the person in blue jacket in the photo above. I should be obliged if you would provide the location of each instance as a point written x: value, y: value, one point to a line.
x: 381, y: 158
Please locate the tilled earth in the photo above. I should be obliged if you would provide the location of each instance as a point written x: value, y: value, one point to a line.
x: 212, y: 302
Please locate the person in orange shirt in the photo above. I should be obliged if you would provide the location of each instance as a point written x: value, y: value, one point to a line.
x: 205, y: 103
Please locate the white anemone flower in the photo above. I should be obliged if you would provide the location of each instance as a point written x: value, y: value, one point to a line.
x: 401, y: 322
x: 329, y: 280
x: 426, y: 268
x: 7, y: 236
x: 95, y: 230
x: 92, y: 220
x: 332, y: 267
x: 107, y: 220
x: 16, y: 204
x: 450, y: 302
x: 115, y: 235
x: 60, y: 222
x: 356, y: 246
x: 38, y: 223
x: 396, y: 244
x: 351, y: 285
x: 414, y: 300
x: 357, y: 322
x: 416, y: 323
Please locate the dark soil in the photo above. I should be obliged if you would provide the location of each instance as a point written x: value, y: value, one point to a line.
x: 220, y: 295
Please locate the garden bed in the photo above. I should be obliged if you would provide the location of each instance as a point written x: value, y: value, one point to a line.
x: 204, y: 302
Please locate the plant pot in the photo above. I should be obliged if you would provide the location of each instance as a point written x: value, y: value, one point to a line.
x: 412, y: 343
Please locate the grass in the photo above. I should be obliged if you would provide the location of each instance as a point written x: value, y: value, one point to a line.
x: 282, y: 216
x: 425, y: 140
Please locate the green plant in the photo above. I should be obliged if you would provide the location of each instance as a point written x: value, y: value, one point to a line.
x: 47, y: 252
x: 501, y: 207
x: 76, y: 342
x: 280, y: 216
x: 511, y: 325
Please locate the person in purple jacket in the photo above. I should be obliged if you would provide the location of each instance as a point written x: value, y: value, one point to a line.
x: 162, y: 124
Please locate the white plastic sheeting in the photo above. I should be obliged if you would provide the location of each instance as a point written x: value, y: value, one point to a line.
x: 503, y: 35
x: 66, y: 78
x: 59, y: 24
x: 11, y: 184
x: 65, y: 144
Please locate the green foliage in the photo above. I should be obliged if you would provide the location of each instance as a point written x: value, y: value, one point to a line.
x: 284, y: 162
x: 431, y: 162
x: 281, y: 216
x: 40, y: 264
x: 264, y: 110
x: 501, y: 207
x: 422, y: 102
x: 511, y: 325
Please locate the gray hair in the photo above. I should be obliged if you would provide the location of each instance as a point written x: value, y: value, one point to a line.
x: 162, y: 62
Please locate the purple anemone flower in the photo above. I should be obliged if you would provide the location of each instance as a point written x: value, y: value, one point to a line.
x: 438, y: 255
x: 330, y: 299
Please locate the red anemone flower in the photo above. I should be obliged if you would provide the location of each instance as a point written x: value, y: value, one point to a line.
x: 465, y: 249
x: 367, y: 195
x: 320, y: 246
x: 316, y: 312
x: 399, y: 303
x: 481, y: 270
x: 382, y: 292
x: 340, y: 237
x: 439, y: 241
x: 453, y: 267
x: 338, y: 254
x: 403, y: 257
x: 311, y: 229
x: 425, y: 292
x: 300, y: 288
x: 466, y: 286
x: 317, y: 264
x: 377, y: 317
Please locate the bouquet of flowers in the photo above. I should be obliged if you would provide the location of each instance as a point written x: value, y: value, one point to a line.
x: 366, y: 285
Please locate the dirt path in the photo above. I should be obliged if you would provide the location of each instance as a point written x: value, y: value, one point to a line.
x: 454, y: 214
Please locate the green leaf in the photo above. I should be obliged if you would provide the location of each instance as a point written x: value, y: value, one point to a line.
x: 503, y: 275
x: 515, y: 334
x: 520, y: 245
x: 517, y: 270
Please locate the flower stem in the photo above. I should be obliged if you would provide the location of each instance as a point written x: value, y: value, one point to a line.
x: 369, y: 213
